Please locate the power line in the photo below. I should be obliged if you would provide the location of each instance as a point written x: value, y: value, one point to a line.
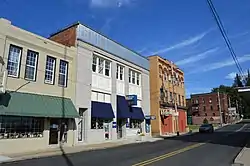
x: 225, y: 37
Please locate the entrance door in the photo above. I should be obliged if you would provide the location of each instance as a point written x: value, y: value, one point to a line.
x: 107, y: 131
x: 54, y: 132
x: 119, y: 128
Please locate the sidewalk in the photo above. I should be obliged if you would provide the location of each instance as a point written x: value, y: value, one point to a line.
x: 75, y: 149
x: 243, y: 158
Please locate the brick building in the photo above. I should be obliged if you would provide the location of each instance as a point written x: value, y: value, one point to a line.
x: 166, y: 89
x: 207, y: 106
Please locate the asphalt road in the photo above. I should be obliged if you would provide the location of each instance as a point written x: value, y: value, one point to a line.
x: 217, y: 149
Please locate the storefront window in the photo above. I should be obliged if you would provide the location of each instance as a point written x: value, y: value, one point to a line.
x: 97, y: 123
x: 12, y: 127
x: 135, y: 124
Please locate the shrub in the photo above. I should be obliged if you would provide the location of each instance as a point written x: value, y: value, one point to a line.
x: 205, y: 121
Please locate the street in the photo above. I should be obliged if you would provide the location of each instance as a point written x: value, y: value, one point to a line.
x: 218, y: 149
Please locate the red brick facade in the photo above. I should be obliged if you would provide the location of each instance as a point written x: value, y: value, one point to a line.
x: 66, y: 37
x: 207, y: 106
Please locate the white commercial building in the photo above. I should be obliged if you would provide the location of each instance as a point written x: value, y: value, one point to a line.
x: 107, y: 75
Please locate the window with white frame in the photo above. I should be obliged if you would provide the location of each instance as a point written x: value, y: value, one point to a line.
x: 134, y: 77
x: 119, y: 72
x: 14, y: 59
x: 31, y: 65
x: 101, y: 66
x: 135, y: 124
x: 107, y: 68
x: 94, y: 64
x: 50, y: 70
x: 63, y: 73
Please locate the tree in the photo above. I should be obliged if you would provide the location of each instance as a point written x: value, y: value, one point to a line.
x: 248, y: 78
x: 205, y: 121
x: 237, y: 81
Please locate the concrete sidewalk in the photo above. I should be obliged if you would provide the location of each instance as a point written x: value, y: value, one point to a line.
x: 75, y: 149
x: 243, y: 158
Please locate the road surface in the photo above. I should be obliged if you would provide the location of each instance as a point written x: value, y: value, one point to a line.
x: 216, y: 149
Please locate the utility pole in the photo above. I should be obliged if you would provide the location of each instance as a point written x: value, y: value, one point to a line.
x: 175, y: 103
x: 218, y: 93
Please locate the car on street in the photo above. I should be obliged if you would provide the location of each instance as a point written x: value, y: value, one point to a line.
x: 206, y: 128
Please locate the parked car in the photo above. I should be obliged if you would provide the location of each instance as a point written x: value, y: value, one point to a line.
x: 206, y: 128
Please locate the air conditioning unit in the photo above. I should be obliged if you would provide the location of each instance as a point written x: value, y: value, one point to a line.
x: 3, y: 80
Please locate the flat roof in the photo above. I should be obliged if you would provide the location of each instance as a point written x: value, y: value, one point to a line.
x: 100, y: 40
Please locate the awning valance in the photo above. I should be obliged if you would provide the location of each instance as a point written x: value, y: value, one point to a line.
x: 137, y: 113
x: 36, y: 105
x: 123, y: 110
x: 101, y: 110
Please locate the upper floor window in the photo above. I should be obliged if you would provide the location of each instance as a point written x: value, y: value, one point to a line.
x: 63, y: 73
x: 203, y: 100
x: 210, y: 100
x: 94, y: 64
x: 171, y: 96
x: 31, y: 65
x: 101, y: 66
x: 107, y: 68
x: 179, y: 99
x: 119, y: 72
x: 14, y: 59
x: 134, y: 77
x: 183, y: 102
x: 50, y: 70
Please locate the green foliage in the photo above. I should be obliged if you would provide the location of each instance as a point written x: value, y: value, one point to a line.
x: 237, y: 81
x: 205, y: 121
x: 248, y: 78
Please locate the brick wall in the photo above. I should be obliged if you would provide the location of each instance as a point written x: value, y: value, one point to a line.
x: 210, y: 103
x: 66, y: 37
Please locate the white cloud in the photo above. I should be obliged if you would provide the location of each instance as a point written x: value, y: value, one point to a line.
x: 232, y: 75
x: 107, y: 25
x: 110, y: 3
x: 218, y: 65
x: 226, y: 63
x: 197, y: 57
x: 183, y: 43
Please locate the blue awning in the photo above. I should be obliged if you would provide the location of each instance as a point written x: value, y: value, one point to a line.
x: 101, y: 110
x: 123, y: 110
x: 137, y: 113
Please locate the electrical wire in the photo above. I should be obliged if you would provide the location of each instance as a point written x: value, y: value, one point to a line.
x: 225, y: 37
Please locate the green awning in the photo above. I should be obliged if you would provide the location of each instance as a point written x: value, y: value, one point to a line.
x: 36, y: 105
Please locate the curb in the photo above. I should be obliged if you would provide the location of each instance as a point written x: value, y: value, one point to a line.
x: 237, y: 158
x: 60, y: 152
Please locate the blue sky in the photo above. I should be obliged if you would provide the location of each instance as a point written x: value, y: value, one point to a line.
x: 180, y: 30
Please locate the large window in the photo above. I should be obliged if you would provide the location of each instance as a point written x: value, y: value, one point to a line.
x: 134, y: 77
x: 94, y: 64
x: 50, y: 70
x: 107, y: 68
x: 101, y: 66
x: 135, y: 124
x: 14, y: 59
x: 97, y: 123
x: 63, y: 73
x: 13, y: 127
x: 31, y: 65
x: 119, y: 72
